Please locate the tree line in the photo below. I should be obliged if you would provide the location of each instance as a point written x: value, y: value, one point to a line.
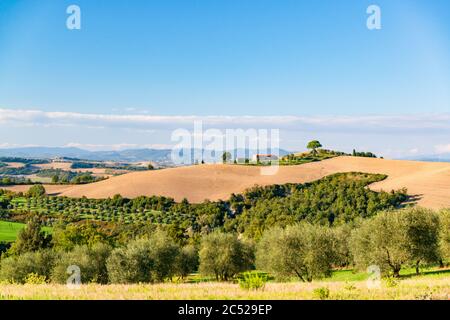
x: 390, y: 240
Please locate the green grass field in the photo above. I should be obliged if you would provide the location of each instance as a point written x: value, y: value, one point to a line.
x: 349, y: 275
x: 10, y: 230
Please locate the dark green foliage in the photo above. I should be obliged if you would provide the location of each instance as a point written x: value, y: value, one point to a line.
x: 4, y: 246
x: 82, y: 165
x: 84, y: 178
x: 313, y: 145
x: 363, y: 154
x: 341, y: 235
x: 91, y: 165
x: 68, y: 237
x: 317, y: 155
x: 31, y: 238
x: 334, y: 200
x: 25, y: 170
x: 187, y: 261
x: 36, y: 191
x: 24, y: 160
x: 90, y: 260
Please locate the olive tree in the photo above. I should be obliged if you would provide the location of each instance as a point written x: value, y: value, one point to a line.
x: 90, y: 260
x: 341, y: 250
x: 395, y: 238
x: 17, y: 268
x: 303, y: 250
x: 187, y: 261
x: 423, y: 235
x: 223, y: 255
x: 144, y: 260
x: 444, y: 239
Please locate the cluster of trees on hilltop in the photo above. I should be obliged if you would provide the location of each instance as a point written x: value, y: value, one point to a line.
x: 391, y: 241
x: 317, y: 153
x: 363, y: 154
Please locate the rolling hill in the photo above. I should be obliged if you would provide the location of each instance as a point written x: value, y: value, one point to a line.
x: 428, y: 181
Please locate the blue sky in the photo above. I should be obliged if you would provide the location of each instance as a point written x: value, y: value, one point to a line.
x: 259, y: 58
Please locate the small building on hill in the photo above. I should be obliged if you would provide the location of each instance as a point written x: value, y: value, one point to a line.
x: 264, y: 157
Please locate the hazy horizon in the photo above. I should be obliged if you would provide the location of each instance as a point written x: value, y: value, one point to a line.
x: 132, y: 74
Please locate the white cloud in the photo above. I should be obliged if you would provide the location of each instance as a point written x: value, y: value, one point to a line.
x: 374, y: 123
x: 387, y: 135
x: 7, y: 145
x: 442, y: 148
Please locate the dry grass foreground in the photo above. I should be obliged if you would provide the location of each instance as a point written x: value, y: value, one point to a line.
x: 430, y: 181
x: 409, y: 289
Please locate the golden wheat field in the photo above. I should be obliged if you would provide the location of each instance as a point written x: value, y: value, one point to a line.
x: 409, y: 289
x: 429, y: 181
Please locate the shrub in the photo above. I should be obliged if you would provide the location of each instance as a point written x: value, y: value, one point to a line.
x: 223, y: 255
x: 303, y: 250
x: 391, y: 282
x: 34, y: 278
x: 91, y: 261
x: 18, y: 268
x: 322, y: 293
x: 253, y: 280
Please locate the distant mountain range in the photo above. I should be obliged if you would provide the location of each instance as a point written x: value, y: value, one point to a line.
x: 130, y: 155
x: 431, y: 158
